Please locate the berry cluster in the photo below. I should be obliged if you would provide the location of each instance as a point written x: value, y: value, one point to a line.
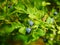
x: 28, y: 30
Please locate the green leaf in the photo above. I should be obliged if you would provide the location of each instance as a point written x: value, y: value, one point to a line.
x: 6, y: 29
x: 58, y: 32
x: 20, y: 6
x: 9, y: 28
x: 40, y: 32
x: 16, y: 25
x: 37, y: 33
x: 21, y: 37
x: 2, y: 17
x: 22, y: 30
x: 15, y: 1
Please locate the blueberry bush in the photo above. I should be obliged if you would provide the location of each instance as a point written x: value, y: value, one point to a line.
x: 29, y: 22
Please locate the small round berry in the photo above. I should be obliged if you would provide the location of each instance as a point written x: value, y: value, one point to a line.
x: 55, y: 13
x: 31, y: 23
x: 45, y: 40
x: 28, y: 30
x: 9, y: 6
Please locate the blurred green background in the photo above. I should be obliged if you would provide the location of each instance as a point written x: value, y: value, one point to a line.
x: 29, y: 22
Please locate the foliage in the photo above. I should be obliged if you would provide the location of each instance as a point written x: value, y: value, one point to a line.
x: 16, y: 14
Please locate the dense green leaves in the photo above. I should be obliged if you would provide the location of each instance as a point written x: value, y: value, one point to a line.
x: 15, y: 14
x: 9, y: 28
